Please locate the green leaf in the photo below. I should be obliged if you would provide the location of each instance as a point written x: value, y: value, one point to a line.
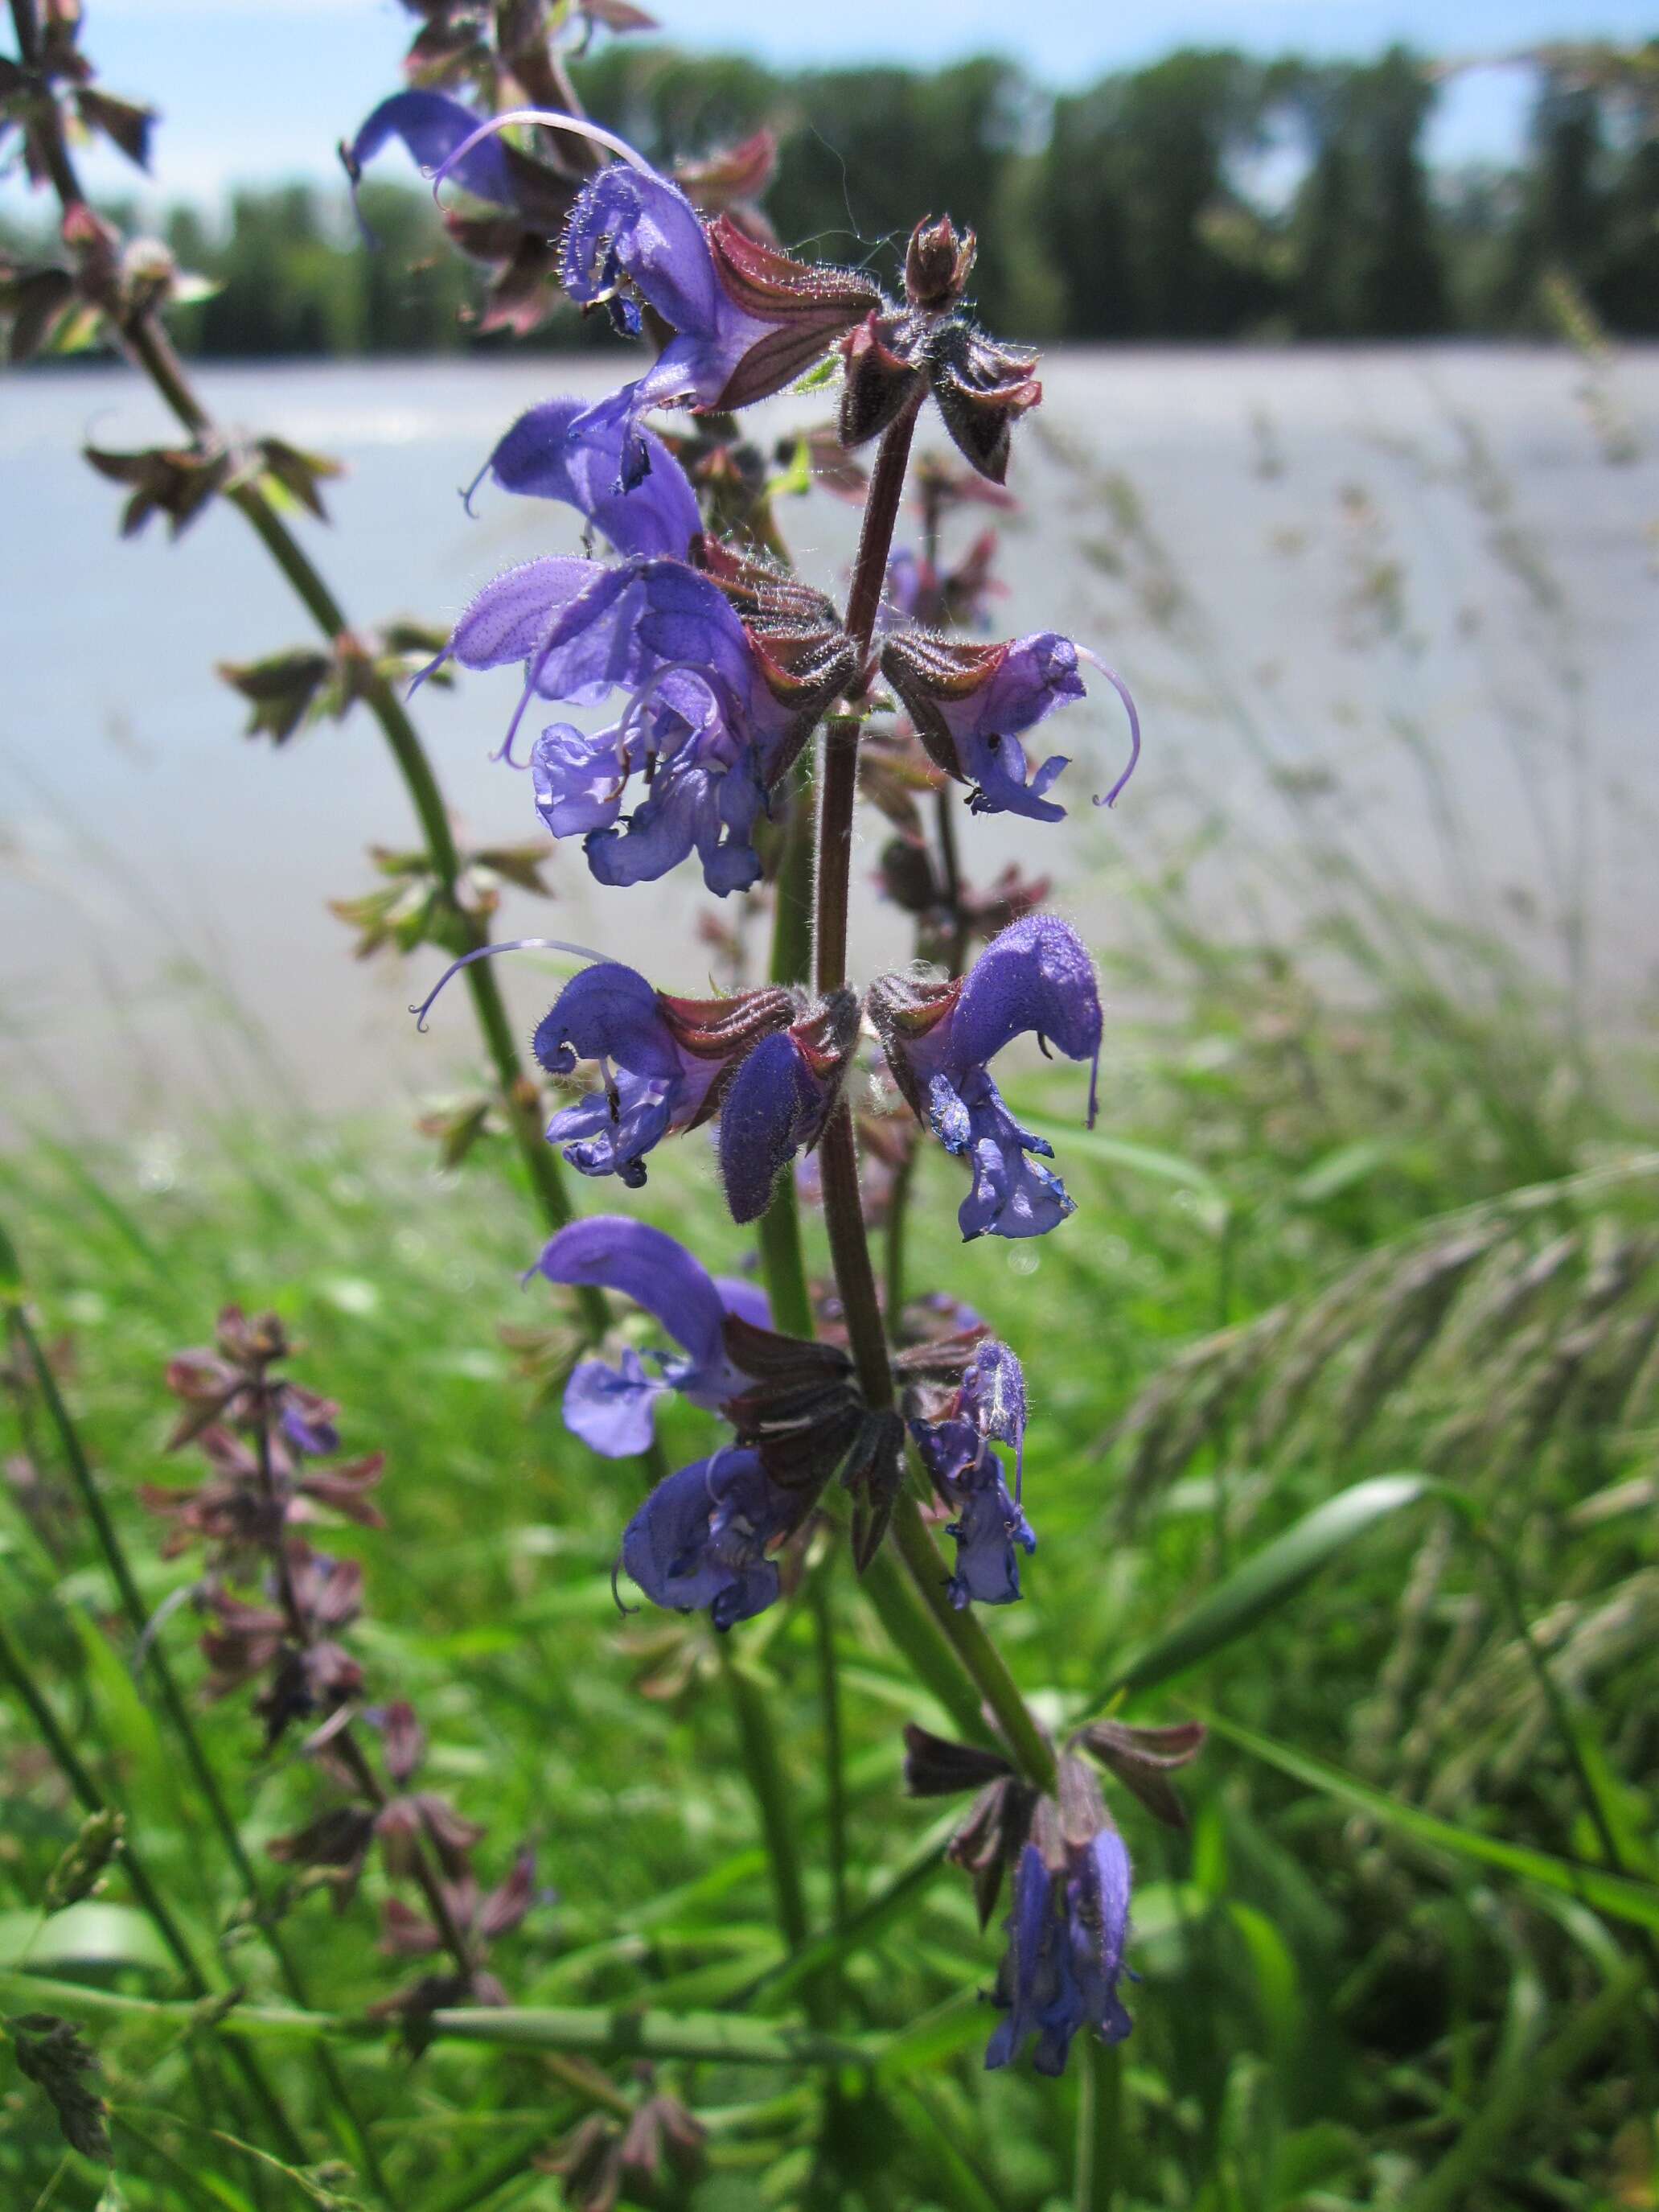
x: 1338, y: 1171
x: 960, y: 2022
x: 1620, y: 1896
x: 1266, y: 1580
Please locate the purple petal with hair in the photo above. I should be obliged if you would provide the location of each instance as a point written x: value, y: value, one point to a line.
x: 989, y: 1524
x: 993, y: 1396
x: 610, y: 1014
x: 560, y: 451
x: 612, y: 1253
x: 1037, y: 674
x: 1034, y: 976
x: 1035, y: 1983
x: 702, y: 725
x: 1097, y: 1923
x: 630, y: 226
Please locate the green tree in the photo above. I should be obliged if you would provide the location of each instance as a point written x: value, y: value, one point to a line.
x: 1141, y: 214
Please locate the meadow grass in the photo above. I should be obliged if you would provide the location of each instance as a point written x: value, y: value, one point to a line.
x: 1386, y: 1966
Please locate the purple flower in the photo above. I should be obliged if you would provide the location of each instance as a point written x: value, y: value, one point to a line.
x: 700, y: 1541
x: 940, y: 1039
x: 970, y: 703
x: 955, y: 1439
x: 747, y: 320
x: 704, y: 723
x: 1066, y: 1935
x: 661, y: 1060
x: 433, y: 127
x: 547, y: 455
x: 612, y: 1409
x: 780, y: 1100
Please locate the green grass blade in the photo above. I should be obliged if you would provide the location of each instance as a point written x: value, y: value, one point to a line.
x: 621, y: 2032
x: 1621, y: 1897
x: 1521, y: 2093
x: 1265, y: 1580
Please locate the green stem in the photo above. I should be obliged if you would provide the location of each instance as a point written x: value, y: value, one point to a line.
x: 27, y: 1990
x: 978, y: 1657
x: 791, y: 913
x: 783, y: 1261
x: 177, y: 1713
x: 820, y: 1597
x: 765, y: 1771
x: 596, y: 2031
x: 1099, y: 2127
x: 146, y: 343
x: 898, y: 1208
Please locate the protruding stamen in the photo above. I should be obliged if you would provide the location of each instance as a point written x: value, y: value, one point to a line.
x: 1123, y: 691
x: 578, y: 125
x: 489, y: 952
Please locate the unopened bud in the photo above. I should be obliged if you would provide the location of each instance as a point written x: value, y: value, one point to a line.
x: 937, y: 263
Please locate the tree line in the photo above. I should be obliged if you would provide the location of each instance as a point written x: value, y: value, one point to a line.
x: 1207, y: 197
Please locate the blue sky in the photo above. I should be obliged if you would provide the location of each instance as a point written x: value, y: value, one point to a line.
x: 254, y: 90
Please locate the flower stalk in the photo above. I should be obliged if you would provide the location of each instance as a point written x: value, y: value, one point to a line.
x: 178, y: 1712
x: 147, y: 345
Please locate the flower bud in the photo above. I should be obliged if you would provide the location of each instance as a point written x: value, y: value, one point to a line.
x: 937, y: 263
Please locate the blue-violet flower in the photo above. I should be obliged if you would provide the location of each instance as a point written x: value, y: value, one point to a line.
x: 613, y: 1409
x: 939, y: 1038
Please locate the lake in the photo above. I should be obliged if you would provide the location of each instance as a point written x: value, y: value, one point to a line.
x: 1383, y: 610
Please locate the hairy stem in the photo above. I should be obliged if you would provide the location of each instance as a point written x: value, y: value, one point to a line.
x: 843, y: 1209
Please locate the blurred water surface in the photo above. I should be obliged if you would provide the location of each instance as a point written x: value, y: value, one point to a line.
x: 1389, y: 615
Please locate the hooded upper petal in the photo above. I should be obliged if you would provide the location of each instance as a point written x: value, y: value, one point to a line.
x: 432, y: 125
x: 613, y: 1253
x: 1036, y: 976
x: 561, y: 450
x: 632, y: 223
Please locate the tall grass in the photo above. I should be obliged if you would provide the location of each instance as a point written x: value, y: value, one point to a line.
x: 1345, y: 1420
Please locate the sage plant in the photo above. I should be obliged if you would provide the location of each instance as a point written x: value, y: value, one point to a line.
x: 739, y: 699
